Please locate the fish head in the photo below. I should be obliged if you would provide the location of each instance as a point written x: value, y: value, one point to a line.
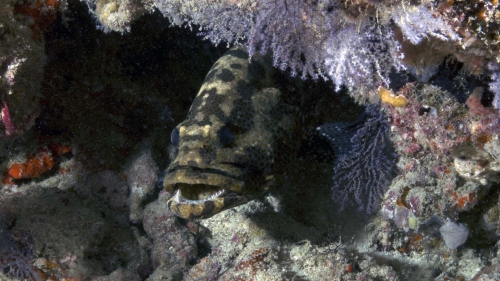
x: 225, y: 153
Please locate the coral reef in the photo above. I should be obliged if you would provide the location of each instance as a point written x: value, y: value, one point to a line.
x: 95, y: 213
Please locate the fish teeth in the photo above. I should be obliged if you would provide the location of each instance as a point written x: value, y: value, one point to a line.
x: 215, y: 195
x: 178, y: 198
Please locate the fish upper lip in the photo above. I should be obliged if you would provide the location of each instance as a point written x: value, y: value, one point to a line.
x: 204, y: 170
x: 210, y: 177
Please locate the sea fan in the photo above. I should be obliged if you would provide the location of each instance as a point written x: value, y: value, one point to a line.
x: 366, y: 160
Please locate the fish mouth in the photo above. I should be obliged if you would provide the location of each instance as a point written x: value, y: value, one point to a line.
x: 197, y: 194
x: 200, y: 194
x: 201, y: 201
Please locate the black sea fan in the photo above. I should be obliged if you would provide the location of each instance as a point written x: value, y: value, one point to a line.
x: 366, y: 159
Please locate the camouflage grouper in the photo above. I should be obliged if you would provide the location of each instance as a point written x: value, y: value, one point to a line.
x: 244, y: 125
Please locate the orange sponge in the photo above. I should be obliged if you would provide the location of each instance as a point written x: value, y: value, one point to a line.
x: 35, y: 165
x: 388, y: 97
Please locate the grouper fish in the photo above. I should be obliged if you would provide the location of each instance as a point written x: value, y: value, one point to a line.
x: 244, y: 125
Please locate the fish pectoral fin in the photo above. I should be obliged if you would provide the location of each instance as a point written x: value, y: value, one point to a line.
x: 316, y: 147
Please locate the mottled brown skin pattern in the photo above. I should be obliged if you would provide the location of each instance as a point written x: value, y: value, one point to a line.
x: 240, y: 130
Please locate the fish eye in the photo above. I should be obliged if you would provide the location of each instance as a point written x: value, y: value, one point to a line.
x: 174, y: 137
x: 225, y: 135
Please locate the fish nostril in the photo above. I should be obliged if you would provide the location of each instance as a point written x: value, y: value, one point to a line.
x: 204, y: 149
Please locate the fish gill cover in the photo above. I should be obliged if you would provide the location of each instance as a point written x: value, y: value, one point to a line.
x: 366, y: 162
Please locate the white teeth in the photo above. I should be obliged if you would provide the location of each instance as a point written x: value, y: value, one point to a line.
x: 178, y: 198
x: 215, y: 195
